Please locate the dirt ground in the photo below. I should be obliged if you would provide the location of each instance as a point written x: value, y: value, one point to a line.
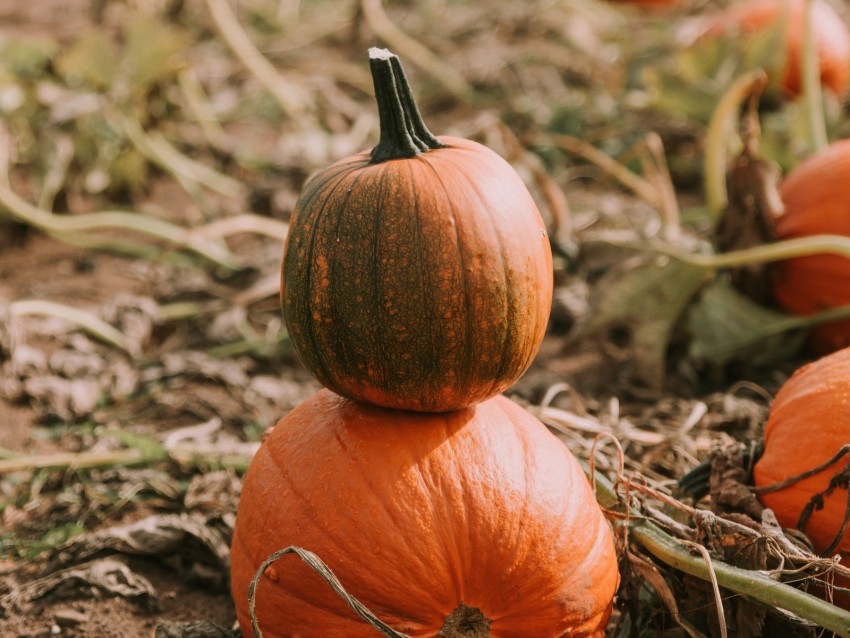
x: 138, y: 371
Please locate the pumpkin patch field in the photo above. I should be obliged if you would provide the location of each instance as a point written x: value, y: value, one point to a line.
x: 348, y: 318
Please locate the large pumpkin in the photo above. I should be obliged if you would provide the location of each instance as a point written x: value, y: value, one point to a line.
x: 831, y: 37
x: 419, y: 515
x: 809, y: 422
x: 417, y: 275
x: 816, y: 194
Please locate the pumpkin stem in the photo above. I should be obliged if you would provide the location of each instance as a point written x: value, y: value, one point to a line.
x: 465, y: 622
x: 403, y: 133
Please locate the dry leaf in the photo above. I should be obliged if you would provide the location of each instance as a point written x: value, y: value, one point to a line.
x: 194, y: 629
x: 191, y: 543
x: 106, y: 577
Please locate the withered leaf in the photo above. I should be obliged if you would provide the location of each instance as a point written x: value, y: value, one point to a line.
x: 104, y: 577
x: 193, y: 629
x: 192, y: 544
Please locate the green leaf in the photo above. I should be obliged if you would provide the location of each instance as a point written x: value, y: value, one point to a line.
x: 640, y: 304
x: 727, y: 326
x: 93, y: 59
x: 152, y: 52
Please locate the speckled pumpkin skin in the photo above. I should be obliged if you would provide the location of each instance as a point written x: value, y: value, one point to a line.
x: 417, y: 513
x: 422, y: 283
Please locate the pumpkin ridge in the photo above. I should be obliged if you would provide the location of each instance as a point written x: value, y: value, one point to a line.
x: 348, y: 360
x: 508, y: 317
x: 322, y: 371
x: 429, y: 366
x: 471, y: 343
x: 425, y: 482
x: 465, y: 366
x: 527, y: 472
x: 454, y: 553
x: 329, y: 608
x: 376, y: 606
x: 563, y: 520
x: 340, y: 210
x: 331, y: 605
x: 431, y: 477
x: 381, y: 329
x: 589, y: 531
x: 308, y: 505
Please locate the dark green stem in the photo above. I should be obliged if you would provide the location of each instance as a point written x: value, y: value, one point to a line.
x: 403, y: 133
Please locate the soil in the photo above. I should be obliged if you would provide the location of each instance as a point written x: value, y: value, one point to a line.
x: 120, y: 618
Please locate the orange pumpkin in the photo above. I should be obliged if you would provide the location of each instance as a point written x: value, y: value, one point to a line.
x: 830, y: 34
x: 419, y: 515
x: 417, y: 275
x: 809, y: 422
x: 816, y: 194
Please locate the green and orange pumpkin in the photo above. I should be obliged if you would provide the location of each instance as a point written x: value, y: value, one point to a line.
x: 417, y: 275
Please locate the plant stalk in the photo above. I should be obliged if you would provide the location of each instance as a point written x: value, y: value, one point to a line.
x: 785, y: 249
x: 722, y: 123
x: 751, y: 583
x: 289, y: 97
x: 165, y: 231
x: 812, y: 90
x: 92, y: 324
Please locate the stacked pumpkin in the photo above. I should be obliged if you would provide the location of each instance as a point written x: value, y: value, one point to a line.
x: 417, y: 281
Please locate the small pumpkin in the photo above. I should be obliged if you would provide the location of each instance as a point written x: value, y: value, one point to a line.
x: 830, y: 34
x: 417, y: 275
x: 809, y: 422
x: 480, y: 512
x: 816, y: 195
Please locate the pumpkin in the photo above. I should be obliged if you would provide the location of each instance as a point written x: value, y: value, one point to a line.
x: 481, y: 512
x: 809, y: 422
x: 417, y: 275
x: 816, y: 195
x: 830, y: 34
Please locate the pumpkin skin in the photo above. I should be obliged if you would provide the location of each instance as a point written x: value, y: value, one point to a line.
x: 809, y: 422
x: 417, y: 513
x: 421, y: 283
x: 830, y: 33
x: 816, y: 194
